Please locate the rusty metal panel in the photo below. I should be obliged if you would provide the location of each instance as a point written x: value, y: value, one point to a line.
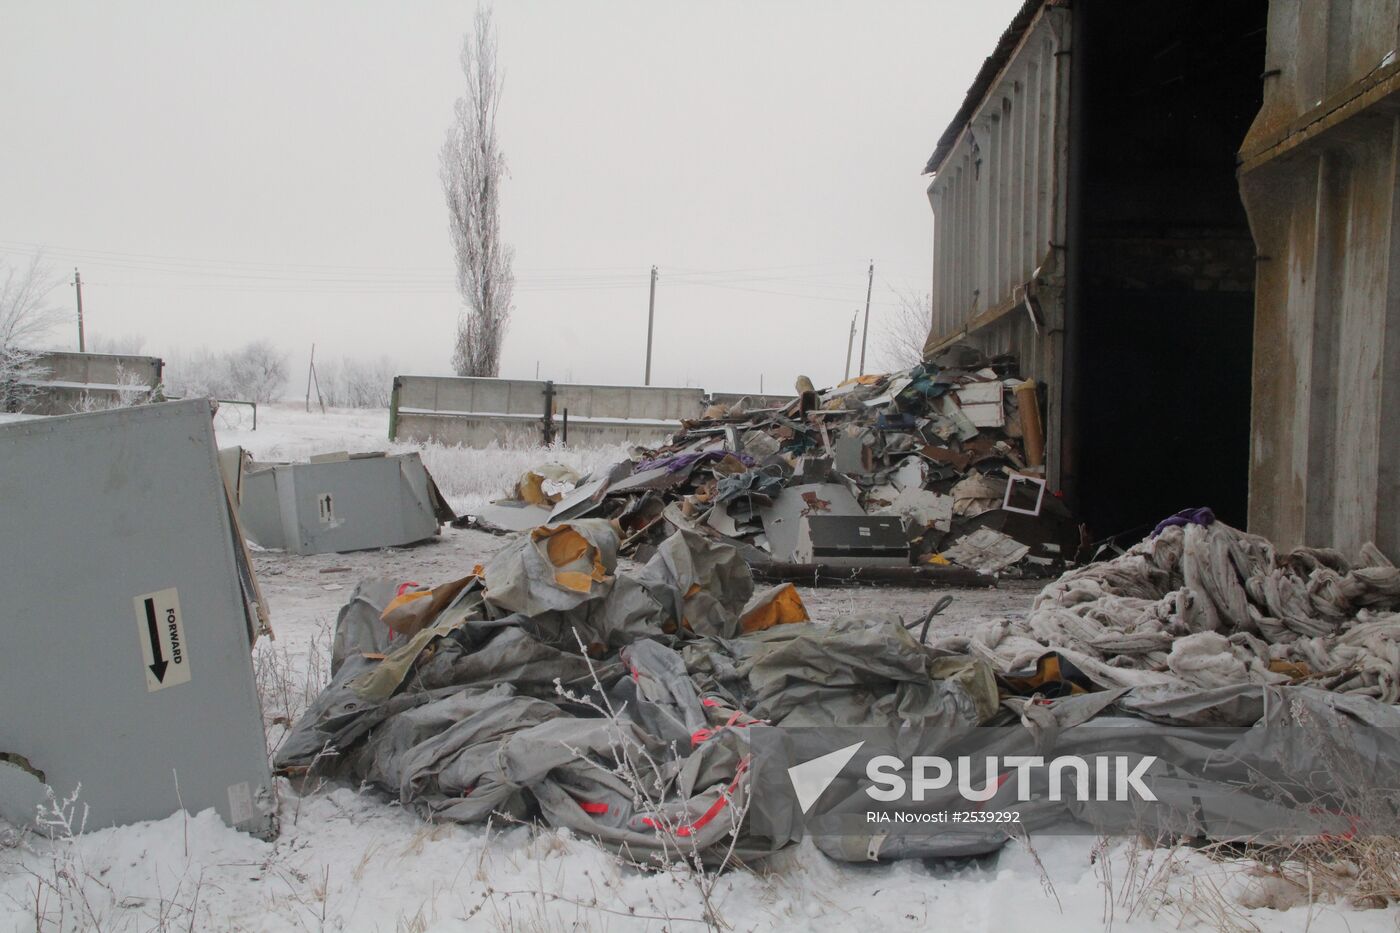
x: 999, y: 203
x: 1325, y: 455
x: 1323, y: 56
x: 1320, y: 177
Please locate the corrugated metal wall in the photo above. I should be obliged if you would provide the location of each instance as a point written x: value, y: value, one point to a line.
x: 1320, y: 177
x: 998, y: 201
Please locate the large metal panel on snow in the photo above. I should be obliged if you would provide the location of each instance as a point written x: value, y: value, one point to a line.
x: 127, y: 663
x: 355, y: 503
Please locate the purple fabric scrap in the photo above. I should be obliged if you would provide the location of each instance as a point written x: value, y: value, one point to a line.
x: 1201, y: 516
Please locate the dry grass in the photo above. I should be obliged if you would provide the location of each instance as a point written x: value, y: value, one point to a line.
x: 1220, y: 884
x: 289, y: 679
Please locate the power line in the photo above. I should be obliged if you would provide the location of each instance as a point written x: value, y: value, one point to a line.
x: 307, y: 278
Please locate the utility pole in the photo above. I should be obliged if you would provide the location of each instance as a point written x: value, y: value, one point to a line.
x: 311, y: 368
x: 850, y: 342
x: 78, y: 283
x: 865, y: 332
x: 651, y: 315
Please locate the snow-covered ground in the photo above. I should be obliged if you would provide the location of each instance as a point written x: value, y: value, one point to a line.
x: 347, y: 859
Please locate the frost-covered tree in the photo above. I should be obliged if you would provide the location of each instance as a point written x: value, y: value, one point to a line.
x: 472, y: 169
x: 27, y: 314
x: 256, y: 372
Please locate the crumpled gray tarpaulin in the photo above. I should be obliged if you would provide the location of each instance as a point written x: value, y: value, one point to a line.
x: 493, y: 706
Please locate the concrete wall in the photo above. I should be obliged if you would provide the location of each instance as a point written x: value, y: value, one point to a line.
x: 1320, y: 176
x: 474, y: 411
x: 752, y: 400
x: 84, y: 381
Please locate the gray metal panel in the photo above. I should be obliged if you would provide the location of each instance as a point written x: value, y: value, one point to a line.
x: 781, y: 519
x: 259, y: 512
x: 339, y: 505
x: 851, y: 541
x: 98, y: 510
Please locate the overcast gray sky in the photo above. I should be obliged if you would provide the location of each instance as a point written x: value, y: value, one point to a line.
x: 228, y: 171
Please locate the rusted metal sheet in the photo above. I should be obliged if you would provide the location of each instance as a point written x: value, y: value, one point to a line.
x: 1326, y: 61
x: 999, y: 202
x: 1320, y: 178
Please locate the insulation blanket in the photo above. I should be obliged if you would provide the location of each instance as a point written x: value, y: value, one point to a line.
x: 1205, y: 606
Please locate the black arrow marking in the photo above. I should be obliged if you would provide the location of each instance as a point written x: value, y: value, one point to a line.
x: 153, y: 630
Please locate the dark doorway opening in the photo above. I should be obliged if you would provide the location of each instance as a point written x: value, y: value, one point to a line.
x: 1164, y: 303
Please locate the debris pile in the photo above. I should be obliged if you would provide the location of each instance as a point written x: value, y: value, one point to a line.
x: 940, y: 465
x: 650, y: 709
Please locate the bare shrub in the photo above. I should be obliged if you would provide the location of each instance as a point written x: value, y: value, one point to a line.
x: 288, y: 681
x: 256, y: 372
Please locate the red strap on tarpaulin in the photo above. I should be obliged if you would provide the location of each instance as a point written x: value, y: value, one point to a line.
x: 714, y: 808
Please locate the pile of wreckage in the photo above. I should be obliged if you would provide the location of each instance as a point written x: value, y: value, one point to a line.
x: 939, y: 466
x: 641, y: 708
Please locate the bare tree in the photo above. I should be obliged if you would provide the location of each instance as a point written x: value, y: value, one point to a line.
x: 27, y: 314
x: 472, y: 168
x: 904, y: 330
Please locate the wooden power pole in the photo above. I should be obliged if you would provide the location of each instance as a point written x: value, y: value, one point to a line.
x: 78, y: 283
x: 850, y: 342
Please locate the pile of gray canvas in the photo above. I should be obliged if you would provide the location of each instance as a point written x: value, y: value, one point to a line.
x: 643, y: 709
